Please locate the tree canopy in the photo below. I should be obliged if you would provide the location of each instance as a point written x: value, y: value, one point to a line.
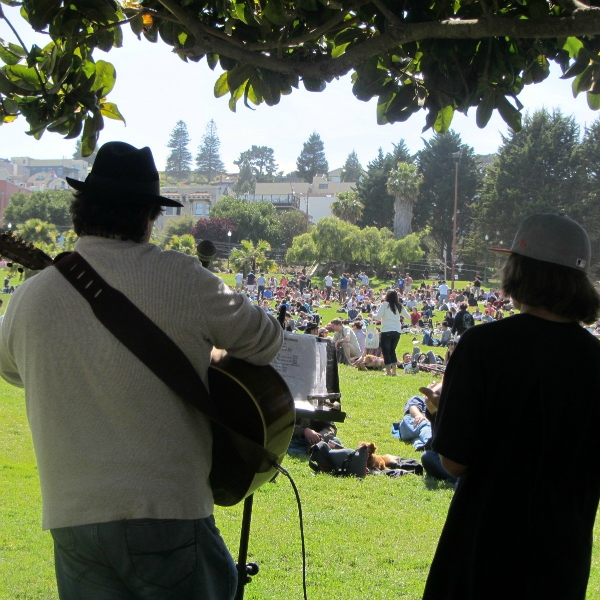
x: 436, y: 56
x: 50, y: 207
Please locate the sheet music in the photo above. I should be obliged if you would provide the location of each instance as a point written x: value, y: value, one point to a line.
x: 302, y: 364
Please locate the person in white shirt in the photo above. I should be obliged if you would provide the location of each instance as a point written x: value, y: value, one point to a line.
x: 443, y: 290
x: 389, y: 313
x: 328, y: 284
x: 239, y: 279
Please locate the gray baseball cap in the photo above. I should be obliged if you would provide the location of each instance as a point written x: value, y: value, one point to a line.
x: 552, y: 238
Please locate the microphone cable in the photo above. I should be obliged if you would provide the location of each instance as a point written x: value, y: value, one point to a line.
x: 299, y: 503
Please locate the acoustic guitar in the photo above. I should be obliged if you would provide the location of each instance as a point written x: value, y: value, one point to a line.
x: 258, y: 414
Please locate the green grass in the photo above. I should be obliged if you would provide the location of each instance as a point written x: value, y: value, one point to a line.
x: 373, y: 538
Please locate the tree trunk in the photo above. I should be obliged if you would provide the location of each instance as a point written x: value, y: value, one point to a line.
x: 403, y: 212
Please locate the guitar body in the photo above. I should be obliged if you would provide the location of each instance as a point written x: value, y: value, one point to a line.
x: 256, y: 403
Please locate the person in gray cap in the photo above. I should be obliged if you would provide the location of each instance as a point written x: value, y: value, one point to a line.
x: 124, y: 463
x: 520, y: 523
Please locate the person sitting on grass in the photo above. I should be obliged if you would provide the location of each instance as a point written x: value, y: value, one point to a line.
x: 446, y: 334
x: 308, y: 432
x: 451, y: 348
x: 345, y: 341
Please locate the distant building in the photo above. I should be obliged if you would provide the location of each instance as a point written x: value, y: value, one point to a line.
x: 314, y: 198
x: 197, y: 201
x: 25, y: 169
x: 44, y: 181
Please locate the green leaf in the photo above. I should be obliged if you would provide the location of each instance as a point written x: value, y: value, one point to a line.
x: 23, y: 77
x: 137, y: 26
x: 89, y: 137
x: 369, y: 80
x: 274, y: 12
x: 7, y: 56
x: 572, y: 45
x: 6, y: 85
x: 212, y: 60
x: 314, y: 85
x: 510, y: 115
x: 444, y: 119
x: 10, y: 106
x: 238, y: 75
x: 485, y: 109
x: 110, y: 110
x: 76, y: 126
x: 583, y: 82
x: 106, y: 77
x: 235, y: 96
x: 593, y: 101
x: 339, y: 50
x: 221, y: 85
x: 240, y: 11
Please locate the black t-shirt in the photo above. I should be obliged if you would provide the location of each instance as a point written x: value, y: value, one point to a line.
x: 520, y: 523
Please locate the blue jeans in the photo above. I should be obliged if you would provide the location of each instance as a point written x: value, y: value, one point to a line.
x: 388, y: 343
x: 419, y: 434
x: 433, y: 467
x: 144, y: 559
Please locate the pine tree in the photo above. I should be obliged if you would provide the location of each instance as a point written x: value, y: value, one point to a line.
x: 352, y: 169
x: 208, y: 160
x: 179, y: 162
x: 434, y: 207
x: 312, y: 159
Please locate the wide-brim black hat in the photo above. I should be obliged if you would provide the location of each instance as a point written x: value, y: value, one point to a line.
x: 125, y: 172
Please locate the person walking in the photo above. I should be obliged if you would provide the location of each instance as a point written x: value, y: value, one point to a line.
x: 389, y: 313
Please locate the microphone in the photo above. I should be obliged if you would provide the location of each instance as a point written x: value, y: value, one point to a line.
x: 206, y: 252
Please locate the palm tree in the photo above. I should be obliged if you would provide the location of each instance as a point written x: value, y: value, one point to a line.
x: 250, y: 257
x: 347, y: 207
x: 38, y: 232
x: 184, y: 243
x: 403, y: 183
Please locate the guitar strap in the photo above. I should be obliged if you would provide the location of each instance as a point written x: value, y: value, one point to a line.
x: 152, y: 346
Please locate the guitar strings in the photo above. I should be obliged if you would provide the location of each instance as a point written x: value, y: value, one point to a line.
x: 299, y: 503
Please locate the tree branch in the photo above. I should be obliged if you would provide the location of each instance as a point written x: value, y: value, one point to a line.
x: 183, y: 17
x: 581, y: 23
x: 387, y: 13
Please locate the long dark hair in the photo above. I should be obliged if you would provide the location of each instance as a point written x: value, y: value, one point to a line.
x: 392, y: 299
x: 561, y: 290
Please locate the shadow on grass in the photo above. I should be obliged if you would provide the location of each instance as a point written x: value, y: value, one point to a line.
x: 433, y: 484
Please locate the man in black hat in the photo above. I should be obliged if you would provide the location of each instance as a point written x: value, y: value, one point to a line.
x: 521, y: 521
x: 123, y: 461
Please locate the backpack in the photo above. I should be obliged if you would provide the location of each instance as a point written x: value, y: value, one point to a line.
x: 468, y: 320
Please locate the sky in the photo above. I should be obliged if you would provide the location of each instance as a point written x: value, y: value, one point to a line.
x: 155, y: 89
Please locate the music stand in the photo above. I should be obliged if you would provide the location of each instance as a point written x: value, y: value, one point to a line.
x: 247, y: 570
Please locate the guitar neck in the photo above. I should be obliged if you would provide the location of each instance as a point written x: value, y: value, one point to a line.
x: 17, y: 250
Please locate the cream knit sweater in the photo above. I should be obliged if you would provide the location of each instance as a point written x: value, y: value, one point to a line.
x: 112, y: 441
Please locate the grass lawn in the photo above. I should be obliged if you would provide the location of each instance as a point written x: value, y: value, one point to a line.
x: 372, y: 539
